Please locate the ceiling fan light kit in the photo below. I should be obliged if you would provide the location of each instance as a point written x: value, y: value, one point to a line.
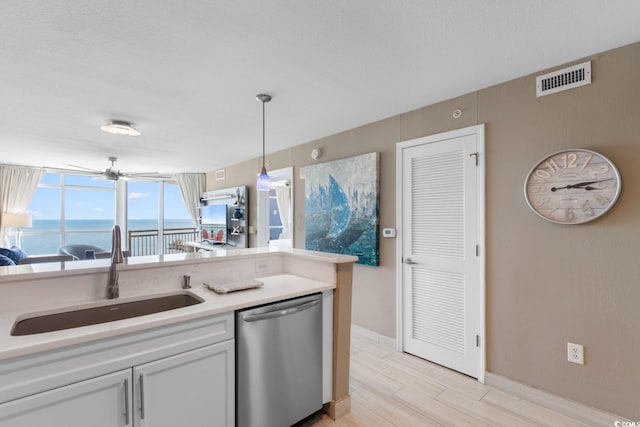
x: 120, y: 127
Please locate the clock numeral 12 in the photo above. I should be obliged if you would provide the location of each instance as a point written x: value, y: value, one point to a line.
x: 569, y: 160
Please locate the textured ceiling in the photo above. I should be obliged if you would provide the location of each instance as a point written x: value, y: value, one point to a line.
x: 186, y: 72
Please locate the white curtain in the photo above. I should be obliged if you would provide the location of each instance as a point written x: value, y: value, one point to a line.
x: 191, y: 186
x: 17, y: 185
x: 283, y: 197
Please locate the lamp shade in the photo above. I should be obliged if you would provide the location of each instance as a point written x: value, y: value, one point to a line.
x: 264, y: 182
x: 16, y: 220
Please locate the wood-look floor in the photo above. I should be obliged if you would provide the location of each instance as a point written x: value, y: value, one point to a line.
x: 396, y: 389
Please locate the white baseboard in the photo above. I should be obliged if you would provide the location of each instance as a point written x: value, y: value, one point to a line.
x: 586, y: 414
x: 374, y: 336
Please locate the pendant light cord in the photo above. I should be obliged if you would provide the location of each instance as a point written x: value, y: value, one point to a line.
x: 263, y: 132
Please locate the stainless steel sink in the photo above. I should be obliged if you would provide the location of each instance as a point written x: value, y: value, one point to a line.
x: 102, y: 314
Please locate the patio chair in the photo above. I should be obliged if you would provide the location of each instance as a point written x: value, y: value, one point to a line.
x: 78, y: 251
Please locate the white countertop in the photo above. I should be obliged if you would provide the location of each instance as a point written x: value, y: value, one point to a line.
x: 56, y: 269
x: 276, y: 287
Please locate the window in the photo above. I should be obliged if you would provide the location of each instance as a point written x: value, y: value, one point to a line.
x: 72, y: 209
x: 275, y: 210
x: 275, y: 223
x: 157, y: 219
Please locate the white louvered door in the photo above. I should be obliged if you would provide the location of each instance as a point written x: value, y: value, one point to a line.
x: 442, y: 286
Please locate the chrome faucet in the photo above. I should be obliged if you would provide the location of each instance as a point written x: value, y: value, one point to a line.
x: 116, y: 258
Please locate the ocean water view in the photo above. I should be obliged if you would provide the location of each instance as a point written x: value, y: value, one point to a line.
x: 44, y: 236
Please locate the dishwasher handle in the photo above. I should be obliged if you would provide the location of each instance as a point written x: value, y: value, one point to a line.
x: 280, y: 312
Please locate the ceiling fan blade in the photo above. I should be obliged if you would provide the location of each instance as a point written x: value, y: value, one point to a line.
x: 139, y: 173
x: 86, y: 169
x: 149, y: 176
x: 112, y: 173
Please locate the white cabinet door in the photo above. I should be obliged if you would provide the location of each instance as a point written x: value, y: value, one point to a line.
x: 194, y: 389
x: 99, y: 402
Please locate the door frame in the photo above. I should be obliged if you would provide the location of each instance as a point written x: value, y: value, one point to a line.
x: 478, y: 131
x: 262, y: 204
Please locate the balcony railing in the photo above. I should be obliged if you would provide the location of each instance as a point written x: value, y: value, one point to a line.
x: 145, y: 242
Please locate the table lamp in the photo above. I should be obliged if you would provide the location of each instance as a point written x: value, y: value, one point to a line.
x: 17, y: 221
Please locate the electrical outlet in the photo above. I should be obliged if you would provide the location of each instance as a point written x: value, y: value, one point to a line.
x: 262, y: 266
x: 575, y: 353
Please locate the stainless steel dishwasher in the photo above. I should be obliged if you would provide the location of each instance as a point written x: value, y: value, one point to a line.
x: 279, y: 362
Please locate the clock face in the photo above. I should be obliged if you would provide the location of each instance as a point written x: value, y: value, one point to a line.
x: 573, y: 186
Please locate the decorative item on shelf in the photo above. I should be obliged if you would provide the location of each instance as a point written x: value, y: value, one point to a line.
x: 572, y: 186
x: 237, y: 213
x: 236, y: 230
x: 17, y: 221
x: 238, y: 197
x: 263, y: 183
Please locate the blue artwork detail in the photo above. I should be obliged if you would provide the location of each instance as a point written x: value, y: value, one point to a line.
x: 341, y: 208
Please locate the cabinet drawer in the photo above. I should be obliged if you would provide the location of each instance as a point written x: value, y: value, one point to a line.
x: 43, y: 371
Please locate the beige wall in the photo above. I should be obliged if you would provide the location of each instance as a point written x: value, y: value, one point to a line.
x: 547, y: 284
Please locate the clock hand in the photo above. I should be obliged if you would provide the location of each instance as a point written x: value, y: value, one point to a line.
x: 583, y: 184
x: 580, y: 185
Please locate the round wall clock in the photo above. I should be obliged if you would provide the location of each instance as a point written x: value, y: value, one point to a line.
x: 572, y: 186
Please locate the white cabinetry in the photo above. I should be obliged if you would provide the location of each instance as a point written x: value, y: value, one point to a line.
x: 179, y: 375
x: 186, y: 389
x: 98, y: 402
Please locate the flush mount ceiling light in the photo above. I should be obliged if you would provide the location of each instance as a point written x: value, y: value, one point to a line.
x: 120, y: 127
x: 264, y: 183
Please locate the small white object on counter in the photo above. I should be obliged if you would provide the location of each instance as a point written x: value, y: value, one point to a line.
x: 226, y: 287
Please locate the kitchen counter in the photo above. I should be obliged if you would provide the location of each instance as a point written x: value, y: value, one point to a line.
x: 56, y: 269
x: 286, y: 273
x: 276, y: 288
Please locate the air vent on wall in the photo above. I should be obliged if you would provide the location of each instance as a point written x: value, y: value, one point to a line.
x: 220, y: 174
x: 567, y: 78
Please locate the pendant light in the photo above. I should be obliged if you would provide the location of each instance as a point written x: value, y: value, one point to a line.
x: 264, y: 183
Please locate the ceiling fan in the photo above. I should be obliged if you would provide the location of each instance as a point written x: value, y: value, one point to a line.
x: 113, y: 173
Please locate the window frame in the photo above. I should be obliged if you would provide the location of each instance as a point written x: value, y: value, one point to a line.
x: 62, y: 186
x: 120, y: 213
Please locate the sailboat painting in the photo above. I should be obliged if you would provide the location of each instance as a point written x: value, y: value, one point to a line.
x: 341, y: 207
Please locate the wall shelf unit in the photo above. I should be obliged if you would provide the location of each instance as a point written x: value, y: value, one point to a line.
x: 237, y: 215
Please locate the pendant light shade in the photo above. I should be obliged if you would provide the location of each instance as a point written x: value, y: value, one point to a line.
x: 264, y: 183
